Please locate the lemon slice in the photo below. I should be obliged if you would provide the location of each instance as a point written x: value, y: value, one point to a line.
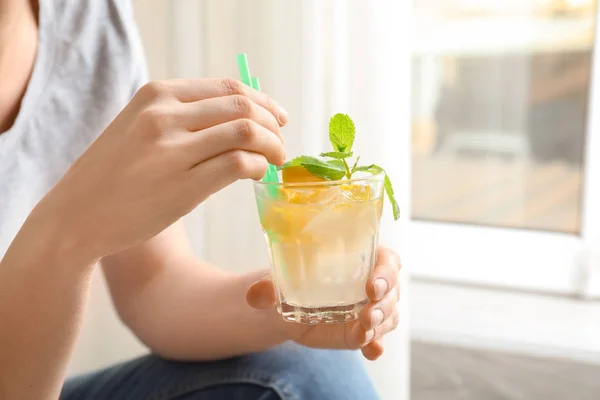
x: 298, y: 174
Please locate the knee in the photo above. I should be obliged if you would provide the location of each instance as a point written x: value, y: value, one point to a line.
x: 315, y: 374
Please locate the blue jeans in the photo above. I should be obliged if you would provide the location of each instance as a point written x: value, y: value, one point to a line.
x: 286, y: 372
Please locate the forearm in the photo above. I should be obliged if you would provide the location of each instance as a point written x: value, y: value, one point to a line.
x: 199, y: 312
x: 42, y: 297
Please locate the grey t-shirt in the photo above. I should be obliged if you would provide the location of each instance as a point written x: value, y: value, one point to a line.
x: 89, y: 64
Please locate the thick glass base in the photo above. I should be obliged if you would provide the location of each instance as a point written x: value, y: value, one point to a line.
x: 320, y: 315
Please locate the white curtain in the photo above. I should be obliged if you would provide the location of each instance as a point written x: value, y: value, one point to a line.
x: 316, y: 57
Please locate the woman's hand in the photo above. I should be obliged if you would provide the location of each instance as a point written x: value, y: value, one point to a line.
x: 377, y: 318
x: 175, y: 144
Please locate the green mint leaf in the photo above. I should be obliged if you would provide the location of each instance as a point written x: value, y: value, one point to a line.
x: 353, y: 170
x: 340, y: 155
x: 387, y: 185
x: 288, y: 164
x: 368, y: 168
x: 341, y: 133
x: 331, y: 170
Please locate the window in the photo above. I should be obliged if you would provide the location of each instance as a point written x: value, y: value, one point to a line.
x: 500, y: 99
x: 504, y: 152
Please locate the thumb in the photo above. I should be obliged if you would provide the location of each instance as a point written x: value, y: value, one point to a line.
x: 261, y: 295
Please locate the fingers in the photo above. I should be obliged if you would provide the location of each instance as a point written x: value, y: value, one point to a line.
x: 357, y: 337
x: 241, y: 134
x: 261, y: 294
x: 215, y: 111
x: 385, y: 274
x: 373, y: 350
x: 374, y: 314
x: 192, y: 90
x: 216, y: 173
x: 360, y: 337
x: 229, y: 87
x: 387, y: 326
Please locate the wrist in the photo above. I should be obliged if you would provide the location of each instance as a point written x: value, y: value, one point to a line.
x: 45, y: 238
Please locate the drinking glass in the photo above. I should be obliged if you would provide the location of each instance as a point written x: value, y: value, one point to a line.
x: 322, y: 240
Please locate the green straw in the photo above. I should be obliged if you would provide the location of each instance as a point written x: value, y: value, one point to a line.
x: 247, y: 79
x: 271, y: 175
x: 255, y: 83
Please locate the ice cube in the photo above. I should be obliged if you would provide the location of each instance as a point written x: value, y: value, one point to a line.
x: 325, y: 195
x: 357, y: 192
x: 312, y: 195
x: 335, y: 220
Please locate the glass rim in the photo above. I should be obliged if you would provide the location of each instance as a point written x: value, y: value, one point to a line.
x: 338, y: 182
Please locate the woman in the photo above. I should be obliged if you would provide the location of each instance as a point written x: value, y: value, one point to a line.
x: 70, y: 200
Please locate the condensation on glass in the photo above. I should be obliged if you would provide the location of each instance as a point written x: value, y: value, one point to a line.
x: 500, y: 98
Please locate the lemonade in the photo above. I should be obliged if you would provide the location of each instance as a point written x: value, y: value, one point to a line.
x: 322, y: 238
x: 322, y: 225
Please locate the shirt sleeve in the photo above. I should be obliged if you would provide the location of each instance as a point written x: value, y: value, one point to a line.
x: 126, y: 23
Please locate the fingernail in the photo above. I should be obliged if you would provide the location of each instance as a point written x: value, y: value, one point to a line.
x: 284, y: 117
x: 381, y: 287
x: 376, y: 318
x: 369, y: 336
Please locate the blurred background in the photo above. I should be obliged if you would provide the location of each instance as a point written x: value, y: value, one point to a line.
x: 504, y: 231
x: 485, y: 113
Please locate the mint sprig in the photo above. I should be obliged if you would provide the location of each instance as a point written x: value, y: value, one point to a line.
x: 333, y: 165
